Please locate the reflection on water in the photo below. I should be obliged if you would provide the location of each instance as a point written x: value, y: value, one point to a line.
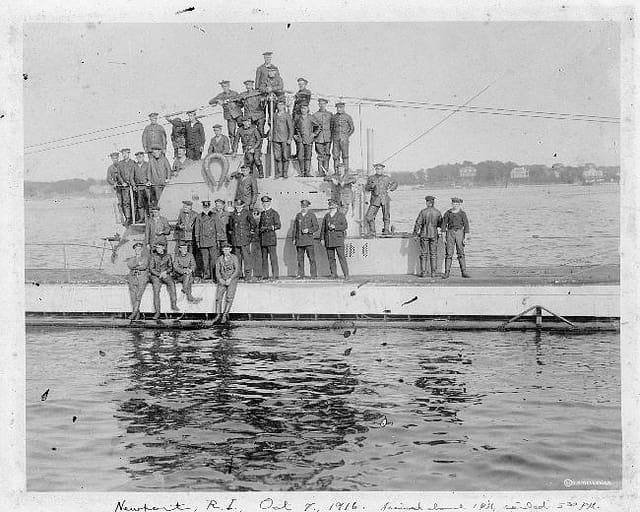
x: 286, y: 409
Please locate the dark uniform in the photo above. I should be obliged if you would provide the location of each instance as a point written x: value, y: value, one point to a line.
x: 159, y: 173
x: 240, y: 226
x: 137, y: 280
x: 255, y: 250
x: 323, y: 139
x: 262, y: 73
x: 306, y: 129
x: 282, y: 133
x: 304, y: 227
x: 252, y: 148
x: 178, y: 135
x: 426, y: 228
x: 269, y: 224
x: 206, y: 231
x: 141, y: 178
x: 253, y: 106
x: 195, y: 139
x: 333, y: 232
x: 162, y: 263
x: 379, y: 186
x: 231, y: 108
x: 156, y: 230
x: 184, y: 268
x: 341, y: 129
x: 456, y: 225
x: 184, y: 230
x: 219, y: 144
x: 153, y: 135
x: 126, y: 169
x: 246, y: 189
x: 227, y: 271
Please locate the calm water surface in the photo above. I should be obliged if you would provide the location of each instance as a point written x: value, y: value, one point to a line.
x: 286, y: 409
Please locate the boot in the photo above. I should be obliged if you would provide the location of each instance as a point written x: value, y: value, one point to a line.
x: 307, y: 167
x: 156, y: 315
x: 174, y: 307
x: 225, y: 315
x: 372, y: 228
x: 216, y: 319
x: 385, y: 229
x: 423, y: 265
x: 463, y: 267
x: 447, y: 268
x: 433, y: 266
x: 193, y: 299
x: 285, y: 169
x: 260, y: 171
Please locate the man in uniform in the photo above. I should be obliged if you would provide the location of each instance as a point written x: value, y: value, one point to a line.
x: 305, y: 131
x: 159, y: 173
x: 223, y: 221
x: 137, y: 279
x: 143, y: 185
x: 282, y: 133
x: 255, y: 250
x: 206, y: 234
x: 113, y: 179
x: 323, y: 138
x: 271, y: 86
x: 154, y: 135
x: 180, y: 162
x: 194, y: 136
x: 219, y: 142
x: 455, y: 224
x: 185, y: 226
x: 156, y: 229
x: 341, y: 129
x: 247, y: 187
x: 332, y: 234
x: 227, y: 272
x: 305, y: 225
x: 263, y: 69
x: 251, y: 146
x: 161, y: 268
x: 302, y: 97
x: 231, y: 108
x: 178, y: 134
x: 342, y: 187
x: 184, y: 267
x: 253, y: 106
x: 379, y: 185
x: 269, y: 224
x: 241, y: 224
x: 427, y: 229
x: 126, y: 168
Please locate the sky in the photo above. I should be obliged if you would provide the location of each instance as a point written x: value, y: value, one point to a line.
x: 83, y: 77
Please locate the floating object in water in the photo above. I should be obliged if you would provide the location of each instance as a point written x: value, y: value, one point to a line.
x: 102, y: 353
x: 74, y: 419
x: 400, y: 379
x: 348, y: 351
x: 44, y: 395
x: 410, y: 301
x: 384, y: 422
x: 384, y: 343
x: 346, y: 334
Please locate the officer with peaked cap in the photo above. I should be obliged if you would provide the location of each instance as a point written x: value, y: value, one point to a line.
x: 154, y: 134
x: 332, y: 235
x: 323, y: 137
x: 267, y: 226
x: 455, y: 224
x: 206, y: 234
x: 305, y: 131
x: 231, y: 107
x: 138, y: 278
x: 379, y: 184
x: 282, y: 131
x: 305, y: 225
x: 219, y: 142
x: 253, y: 106
x: 427, y: 230
x: 341, y: 130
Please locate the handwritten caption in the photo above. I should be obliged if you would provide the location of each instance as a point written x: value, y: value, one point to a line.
x: 250, y: 504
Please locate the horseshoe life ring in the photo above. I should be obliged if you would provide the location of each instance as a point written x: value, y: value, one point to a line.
x: 210, y: 176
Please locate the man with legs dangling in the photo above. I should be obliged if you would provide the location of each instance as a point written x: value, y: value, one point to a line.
x: 227, y: 272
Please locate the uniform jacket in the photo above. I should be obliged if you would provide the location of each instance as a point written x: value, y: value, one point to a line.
x: 178, y: 165
x: 183, y: 263
x: 282, y: 127
x: 333, y: 229
x: 341, y: 126
x: 139, y: 264
x: 306, y: 128
x: 156, y: 230
x: 309, y: 222
x: 457, y: 220
x: 141, y: 173
x: 178, y: 132
x: 263, y: 72
x: 230, y: 104
x: 194, y: 135
x: 302, y: 97
x: 268, y: 225
x: 274, y: 85
x: 152, y: 135
x: 223, y: 224
x: 378, y: 185
x: 323, y: 120
x: 227, y: 268
x: 240, y: 227
x: 251, y: 139
x: 113, y: 175
x: 159, y: 170
x: 219, y: 145
x: 160, y: 263
x: 427, y: 224
x: 206, y: 230
x: 247, y: 189
x: 185, y: 225
x: 252, y: 102
x: 126, y: 169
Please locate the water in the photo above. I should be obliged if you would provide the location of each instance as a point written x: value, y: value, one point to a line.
x: 503, y: 225
x: 286, y: 409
